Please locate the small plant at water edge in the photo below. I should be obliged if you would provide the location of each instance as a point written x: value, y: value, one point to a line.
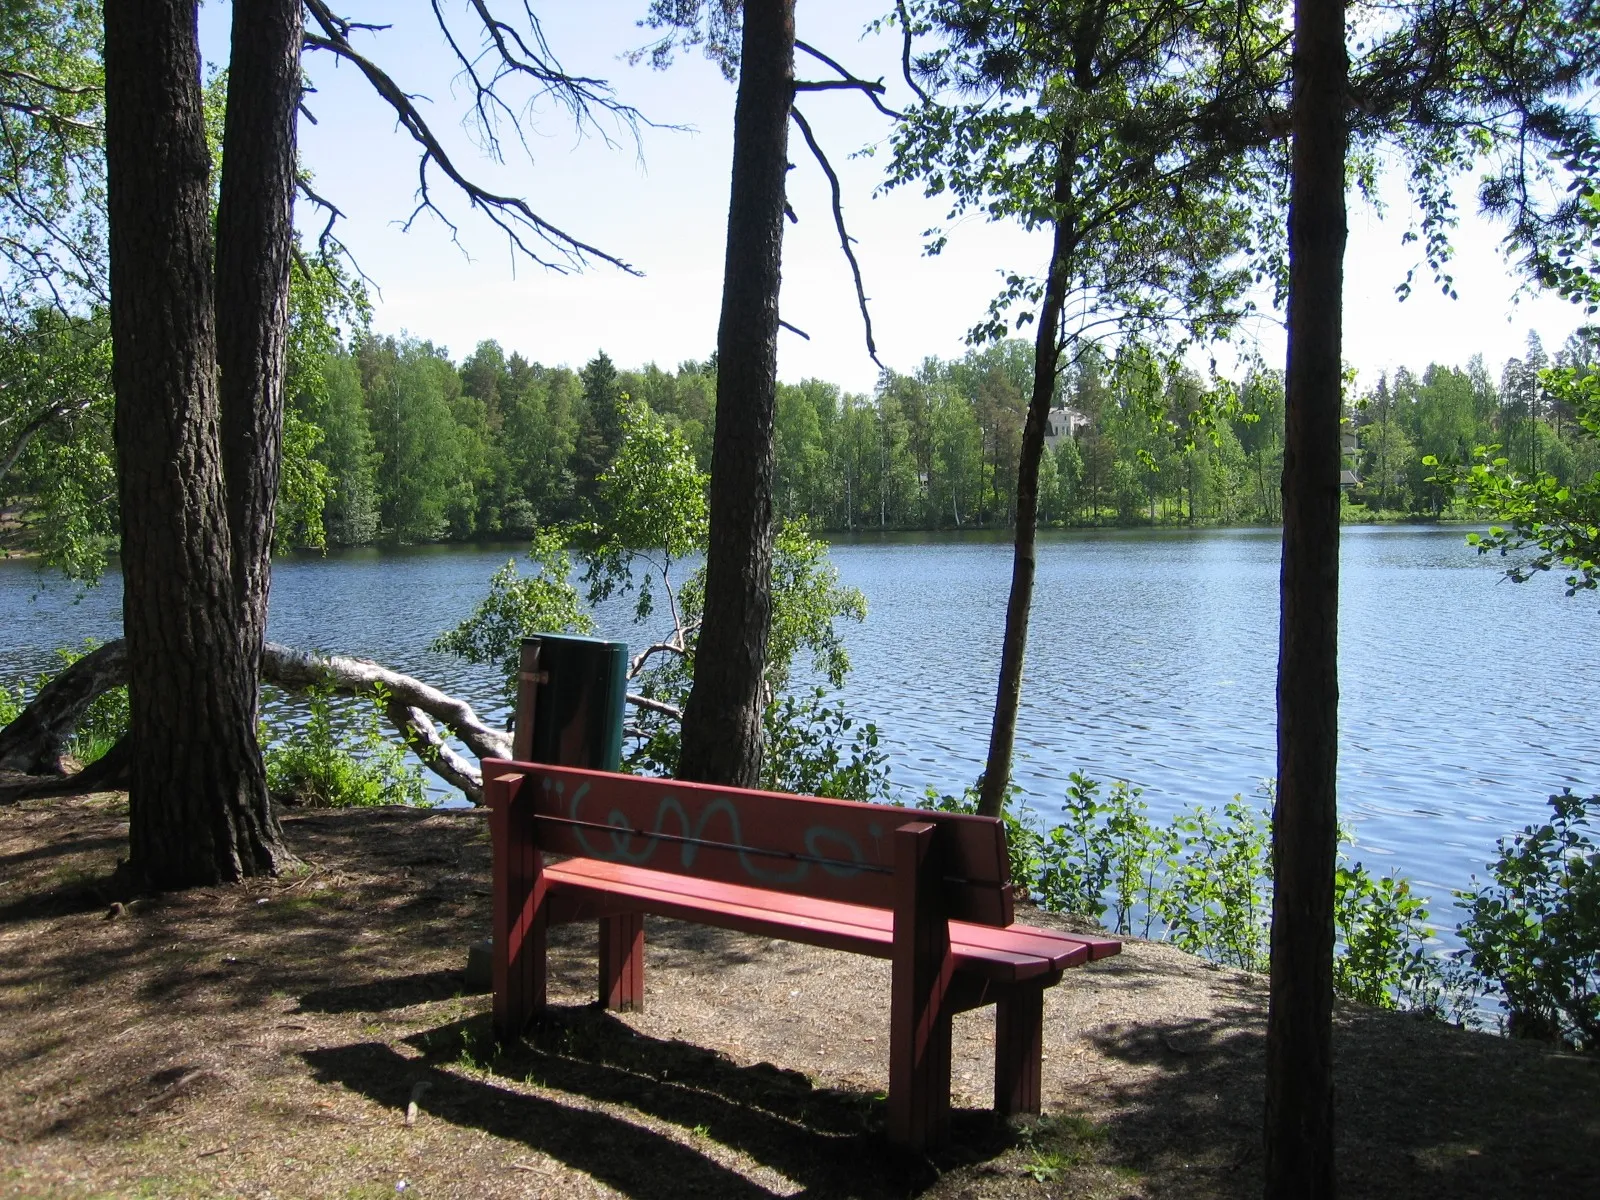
x: 1533, y: 933
x: 319, y: 765
x: 1383, y: 961
x: 1204, y: 883
x: 817, y: 749
x: 1218, y: 898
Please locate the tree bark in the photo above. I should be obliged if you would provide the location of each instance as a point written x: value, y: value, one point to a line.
x: 1299, y: 1099
x: 1046, y: 359
x: 35, y: 742
x: 722, y: 719
x: 198, y: 806
x: 255, y: 236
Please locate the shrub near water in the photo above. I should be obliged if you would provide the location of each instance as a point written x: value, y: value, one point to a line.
x: 1533, y: 934
x: 321, y: 766
x: 1204, y: 883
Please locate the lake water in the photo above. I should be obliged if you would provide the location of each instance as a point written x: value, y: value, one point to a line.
x: 1152, y: 657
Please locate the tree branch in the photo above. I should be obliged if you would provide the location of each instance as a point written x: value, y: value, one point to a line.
x: 905, y: 53
x: 844, y: 234
x: 656, y: 706
x: 297, y: 670
x: 54, y: 412
x: 34, y: 743
x: 846, y: 80
x: 420, y: 734
x: 511, y: 214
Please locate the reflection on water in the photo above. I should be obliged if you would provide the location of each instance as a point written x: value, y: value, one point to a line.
x: 1152, y: 657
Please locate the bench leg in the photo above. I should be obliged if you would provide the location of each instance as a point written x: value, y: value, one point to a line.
x: 521, y: 914
x: 919, y: 1084
x: 622, y: 962
x: 1018, y: 1050
x: 919, y: 1005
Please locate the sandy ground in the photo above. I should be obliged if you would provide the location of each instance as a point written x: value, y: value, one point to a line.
x: 313, y: 1037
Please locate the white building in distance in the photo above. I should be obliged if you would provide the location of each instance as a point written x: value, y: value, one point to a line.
x: 1063, y: 422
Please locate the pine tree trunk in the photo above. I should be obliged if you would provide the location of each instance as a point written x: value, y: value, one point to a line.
x: 722, y: 720
x: 1046, y: 358
x: 198, y: 807
x: 255, y: 237
x: 1299, y: 1102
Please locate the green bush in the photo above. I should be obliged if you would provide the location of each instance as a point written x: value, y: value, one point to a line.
x: 10, y: 708
x: 1217, y: 900
x: 1203, y: 881
x: 1075, y: 856
x: 813, y: 748
x: 1533, y: 934
x: 321, y: 766
x: 1382, y: 929
x: 649, y: 516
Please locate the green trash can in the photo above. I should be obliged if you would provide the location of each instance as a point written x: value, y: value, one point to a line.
x: 570, y: 693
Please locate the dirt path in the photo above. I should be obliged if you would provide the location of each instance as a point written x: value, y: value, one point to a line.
x: 269, y: 1041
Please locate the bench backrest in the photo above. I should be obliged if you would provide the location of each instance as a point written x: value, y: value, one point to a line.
x: 806, y: 845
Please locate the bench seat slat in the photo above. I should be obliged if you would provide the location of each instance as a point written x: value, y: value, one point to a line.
x: 1098, y: 947
x: 1012, y: 954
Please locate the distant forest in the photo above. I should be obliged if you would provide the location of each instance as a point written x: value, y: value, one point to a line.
x: 390, y: 440
x: 418, y: 448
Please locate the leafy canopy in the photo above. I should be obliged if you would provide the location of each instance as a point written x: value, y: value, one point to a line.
x: 52, y: 172
x: 1106, y: 117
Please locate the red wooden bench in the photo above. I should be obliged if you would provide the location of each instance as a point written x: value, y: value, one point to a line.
x: 929, y: 890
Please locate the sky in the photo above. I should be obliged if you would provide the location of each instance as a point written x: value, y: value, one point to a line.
x: 659, y: 200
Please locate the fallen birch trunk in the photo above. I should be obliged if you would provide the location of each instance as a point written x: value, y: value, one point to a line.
x: 35, y: 742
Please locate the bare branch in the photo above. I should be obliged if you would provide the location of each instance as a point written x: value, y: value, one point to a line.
x: 510, y: 214
x: 656, y: 706
x: 846, y: 80
x: 844, y: 234
x: 330, y: 246
x: 795, y: 329
x: 512, y: 55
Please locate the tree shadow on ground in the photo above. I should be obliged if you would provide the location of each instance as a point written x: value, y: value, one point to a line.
x: 80, y: 892
x: 380, y: 995
x: 619, y: 1106
x: 70, y: 843
x: 1422, y: 1109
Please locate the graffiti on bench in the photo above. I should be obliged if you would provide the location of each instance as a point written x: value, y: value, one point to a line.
x: 835, y: 850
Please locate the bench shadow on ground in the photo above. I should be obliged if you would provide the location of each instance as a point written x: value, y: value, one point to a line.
x: 1423, y: 1110
x: 620, y: 1106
